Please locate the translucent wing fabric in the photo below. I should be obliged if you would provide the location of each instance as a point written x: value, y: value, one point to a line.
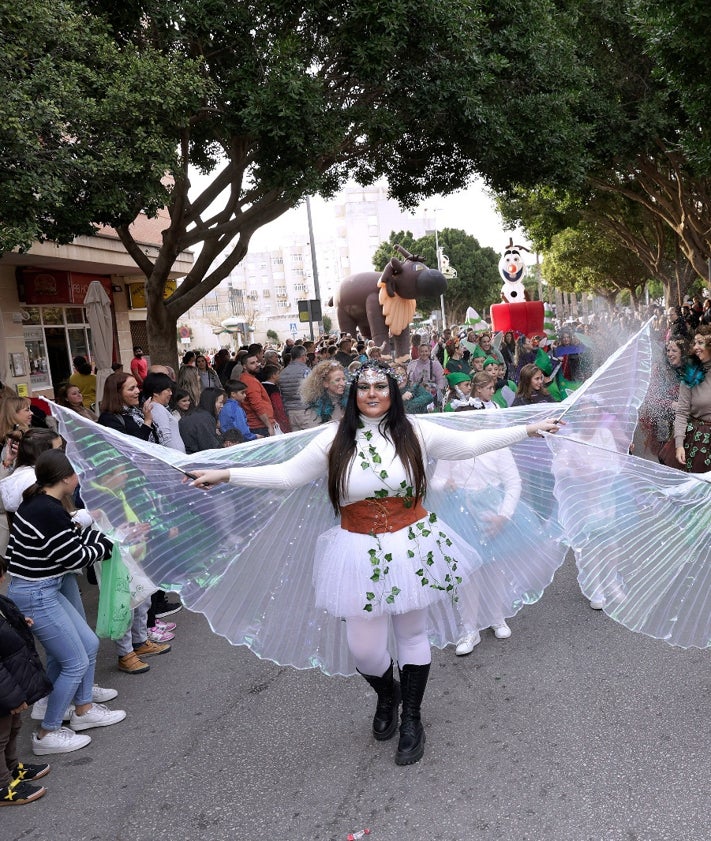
x: 244, y: 557
x: 640, y: 532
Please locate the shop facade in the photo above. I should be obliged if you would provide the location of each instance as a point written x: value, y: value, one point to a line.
x: 43, y: 323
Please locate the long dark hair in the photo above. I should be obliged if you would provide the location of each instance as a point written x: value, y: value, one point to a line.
x: 208, y: 399
x: 395, y: 426
x: 51, y: 467
x: 178, y: 395
x: 32, y: 444
x: 525, y: 389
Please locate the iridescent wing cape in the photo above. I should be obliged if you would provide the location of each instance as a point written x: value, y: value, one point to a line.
x: 243, y: 557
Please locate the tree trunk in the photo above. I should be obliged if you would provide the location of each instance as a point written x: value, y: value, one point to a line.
x: 161, y: 325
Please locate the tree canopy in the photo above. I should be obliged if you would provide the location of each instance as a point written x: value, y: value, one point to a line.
x: 647, y: 146
x: 85, y: 136
x: 107, y: 105
x: 275, y: 100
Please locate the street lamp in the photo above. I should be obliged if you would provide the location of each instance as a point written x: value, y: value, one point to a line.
x: 443, y: 264
x: 433, y: 211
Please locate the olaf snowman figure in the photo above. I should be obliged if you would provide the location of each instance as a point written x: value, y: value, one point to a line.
x: 512, y: 269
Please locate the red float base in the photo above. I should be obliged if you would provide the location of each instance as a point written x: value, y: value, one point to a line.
x: 525, y: 318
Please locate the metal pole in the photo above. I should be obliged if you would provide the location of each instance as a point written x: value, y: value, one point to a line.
x: 439, y: 268
x: 314, y: 266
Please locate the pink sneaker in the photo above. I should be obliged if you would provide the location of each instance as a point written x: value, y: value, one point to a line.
x: 165, y: 626
x: 156, y: 634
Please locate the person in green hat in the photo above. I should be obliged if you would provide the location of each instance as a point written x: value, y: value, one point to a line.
x: 477, y: 360
x: 459, y: 398
x: 504, y: 390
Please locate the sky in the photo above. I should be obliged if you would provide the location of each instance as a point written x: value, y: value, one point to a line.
x: 471, y: 210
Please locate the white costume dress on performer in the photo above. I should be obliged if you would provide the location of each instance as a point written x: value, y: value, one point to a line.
x: 344, y: 561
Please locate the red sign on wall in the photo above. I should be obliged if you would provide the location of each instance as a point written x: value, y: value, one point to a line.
x: 41, y: 286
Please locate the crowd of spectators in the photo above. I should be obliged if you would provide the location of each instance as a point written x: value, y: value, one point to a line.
x: 258, y: 392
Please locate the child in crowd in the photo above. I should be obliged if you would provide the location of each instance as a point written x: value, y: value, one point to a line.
x: 460, y: 397
x: 232, y: 415
x: 22, y: 682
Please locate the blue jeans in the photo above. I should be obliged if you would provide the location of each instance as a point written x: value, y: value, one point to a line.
x: 70, y: 589
x: 70, y: 643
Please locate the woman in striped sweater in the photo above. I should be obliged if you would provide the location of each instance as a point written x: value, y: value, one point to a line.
x: 45, y: 545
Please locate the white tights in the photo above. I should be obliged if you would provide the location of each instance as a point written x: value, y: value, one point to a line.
x: 368, y: 641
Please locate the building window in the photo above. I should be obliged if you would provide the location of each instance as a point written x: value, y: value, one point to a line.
x: 53, y: 337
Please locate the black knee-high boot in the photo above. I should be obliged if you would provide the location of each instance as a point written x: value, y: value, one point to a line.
x: 388, y: 691
x: 411, y: 746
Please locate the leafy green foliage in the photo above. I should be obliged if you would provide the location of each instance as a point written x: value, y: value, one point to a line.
x: 584, y: 259
x: 82, y: 124
x: 107, y: 104
x: 275, y: 100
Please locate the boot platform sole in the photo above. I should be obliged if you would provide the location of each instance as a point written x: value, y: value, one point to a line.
x: 411, y: 757
x: 387, y: 734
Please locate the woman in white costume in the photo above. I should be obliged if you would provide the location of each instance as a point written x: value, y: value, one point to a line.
x: 389, y: 558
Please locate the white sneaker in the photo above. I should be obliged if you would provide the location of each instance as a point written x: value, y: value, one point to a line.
x: 501, y: 631
x: 100, y: 695
x: 39, y: 710
x: 97, y: 716
x: 63, y: 740
x: 597, y: 602
x: 466, y: 643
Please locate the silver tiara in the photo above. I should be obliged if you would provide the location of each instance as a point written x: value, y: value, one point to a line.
x: 372, y: 371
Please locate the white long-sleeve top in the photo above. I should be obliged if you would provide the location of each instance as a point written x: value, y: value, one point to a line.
x: 12, y: 487
x: 494, y: 469
x: 169, y: 427
x: 312, y: 462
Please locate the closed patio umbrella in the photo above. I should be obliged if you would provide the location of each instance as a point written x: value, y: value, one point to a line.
x: 98, y: 311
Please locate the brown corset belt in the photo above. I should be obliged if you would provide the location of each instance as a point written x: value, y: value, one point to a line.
x: 376, y: 516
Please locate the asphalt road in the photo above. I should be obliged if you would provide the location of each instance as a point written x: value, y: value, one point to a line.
x: 572, y: 729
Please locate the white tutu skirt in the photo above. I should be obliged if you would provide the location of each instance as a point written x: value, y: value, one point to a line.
x: 390, y: 573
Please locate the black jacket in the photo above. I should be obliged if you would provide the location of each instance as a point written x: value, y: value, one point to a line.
x: 22, y: 677
x: 124, y: 422
x: 198, y: 429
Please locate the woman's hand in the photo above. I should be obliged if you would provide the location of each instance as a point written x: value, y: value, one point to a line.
x: 681, y: 455
x: 551, y: 425
x: 209, y: 478
x: 82, y: 518
x: 148, y: 411
x: 492, y: 523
